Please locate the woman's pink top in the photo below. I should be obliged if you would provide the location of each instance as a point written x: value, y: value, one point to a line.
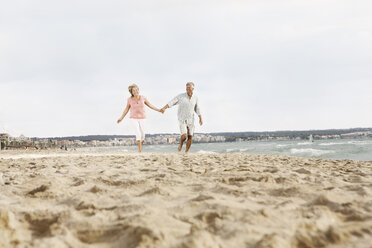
x: 137, y: 107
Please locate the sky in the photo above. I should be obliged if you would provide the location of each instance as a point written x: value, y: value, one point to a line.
x: 65, y: 66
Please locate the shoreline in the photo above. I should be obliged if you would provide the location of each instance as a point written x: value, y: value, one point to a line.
x: 44, y: 153
x: 349, y: 149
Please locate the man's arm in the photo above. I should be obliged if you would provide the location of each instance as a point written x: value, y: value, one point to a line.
x: 197, y: 111
x: 172, y: 102
x: 200, y: 120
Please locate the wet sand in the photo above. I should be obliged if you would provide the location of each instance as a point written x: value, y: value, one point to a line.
x: 119, y: 199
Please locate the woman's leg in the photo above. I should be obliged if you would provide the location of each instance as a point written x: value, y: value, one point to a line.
x: 136, y: 126
x: 142, y: 131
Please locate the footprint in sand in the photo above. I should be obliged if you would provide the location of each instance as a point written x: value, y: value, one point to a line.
x: 124, y: 235
x: 41, y: 188
x: 40, y: 222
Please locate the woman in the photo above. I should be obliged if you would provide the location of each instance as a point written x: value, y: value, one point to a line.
x: 136, y: 104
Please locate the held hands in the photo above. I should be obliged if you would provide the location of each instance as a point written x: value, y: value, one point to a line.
x: 162, y: 110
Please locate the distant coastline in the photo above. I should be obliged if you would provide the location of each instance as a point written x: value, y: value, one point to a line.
x: 22, y: 142
x: 302, y: 134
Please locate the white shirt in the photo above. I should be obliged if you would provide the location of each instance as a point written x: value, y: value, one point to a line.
x: 186, y: 107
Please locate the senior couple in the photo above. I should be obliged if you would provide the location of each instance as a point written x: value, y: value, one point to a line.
x: 187, y: 105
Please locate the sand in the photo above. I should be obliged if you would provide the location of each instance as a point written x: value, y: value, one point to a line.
x: 121, y: 199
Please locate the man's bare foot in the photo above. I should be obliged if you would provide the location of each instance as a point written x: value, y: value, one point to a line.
x: 179, y: 147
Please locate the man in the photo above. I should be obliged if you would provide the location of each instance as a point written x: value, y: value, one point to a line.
x: 187, y: 104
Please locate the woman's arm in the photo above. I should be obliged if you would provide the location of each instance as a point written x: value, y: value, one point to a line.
x: 124, y: 113
x: 151, y: 106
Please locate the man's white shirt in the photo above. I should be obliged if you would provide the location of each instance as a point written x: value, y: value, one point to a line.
x: 186, y: 107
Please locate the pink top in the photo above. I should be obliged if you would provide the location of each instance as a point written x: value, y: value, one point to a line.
x: 137, y: 107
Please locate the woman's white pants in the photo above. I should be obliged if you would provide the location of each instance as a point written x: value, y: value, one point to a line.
x: 139, y: 128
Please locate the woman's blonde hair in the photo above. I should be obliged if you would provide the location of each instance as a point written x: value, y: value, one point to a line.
x: 130, y: 88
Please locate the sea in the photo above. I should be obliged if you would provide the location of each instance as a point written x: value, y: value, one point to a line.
x: 353, y: 149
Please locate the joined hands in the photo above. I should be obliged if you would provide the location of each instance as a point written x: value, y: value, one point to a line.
x: 162, y: 110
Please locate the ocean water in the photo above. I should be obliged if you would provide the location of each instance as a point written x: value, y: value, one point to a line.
x: 354, y: 149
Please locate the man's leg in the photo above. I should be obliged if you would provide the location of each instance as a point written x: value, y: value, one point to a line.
x: 183, y: 138
x: 183, y: 130
x: 139, y: 143
x: 190, y: 133
x: 188, y: 143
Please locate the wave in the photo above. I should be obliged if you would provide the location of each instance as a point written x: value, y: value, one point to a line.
x: 228, y: 150
x: 304, y: 143
x: 346, y: 143
x: 281, y: 146
x: 333, y: 143
x: 205, y: 152
x: 360, y: 142
x: 312, y: 152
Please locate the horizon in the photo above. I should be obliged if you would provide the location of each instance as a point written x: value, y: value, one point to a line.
x: 152, y: 134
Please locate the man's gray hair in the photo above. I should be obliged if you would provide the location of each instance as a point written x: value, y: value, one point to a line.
x: 191, y: 83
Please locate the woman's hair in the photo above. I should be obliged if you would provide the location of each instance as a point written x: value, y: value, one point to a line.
x: 130, y: 88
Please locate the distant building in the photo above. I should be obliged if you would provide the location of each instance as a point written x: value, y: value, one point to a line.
x: 4, y: 140
x: 4, y: 137
x: 22, y: 138
x: 92, y: 143
x: 354, y: 135
x: 220, y: 139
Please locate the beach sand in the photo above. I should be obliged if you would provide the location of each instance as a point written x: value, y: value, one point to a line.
x: 121, y: 199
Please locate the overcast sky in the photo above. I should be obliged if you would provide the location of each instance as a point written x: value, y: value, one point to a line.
x: 259, y: 65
